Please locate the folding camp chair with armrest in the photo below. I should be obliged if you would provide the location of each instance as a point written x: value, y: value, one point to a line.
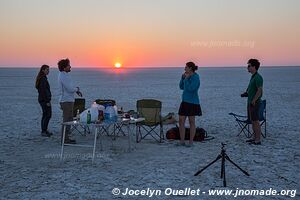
x: 150, y: 109
x: 79, y: 105
x: 244, y: 123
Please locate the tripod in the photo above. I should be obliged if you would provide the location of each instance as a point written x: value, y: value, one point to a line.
x: 224, y: 156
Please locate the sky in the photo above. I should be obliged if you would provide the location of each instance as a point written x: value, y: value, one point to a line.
x: 149, y: 33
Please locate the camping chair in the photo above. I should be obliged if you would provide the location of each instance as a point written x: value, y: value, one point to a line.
x: 79, y: 104
x: 244, y: 123
x: 150, y: 109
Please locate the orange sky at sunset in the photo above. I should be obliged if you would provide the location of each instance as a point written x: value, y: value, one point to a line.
x: 144, y: 33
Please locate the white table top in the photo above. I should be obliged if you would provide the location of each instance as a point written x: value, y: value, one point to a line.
x: 106, y: 122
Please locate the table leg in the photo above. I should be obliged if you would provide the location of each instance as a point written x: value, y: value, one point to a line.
x: 100, y: 135
x: 63, y: 142
x: 129, y: 137
x: 95, y: 142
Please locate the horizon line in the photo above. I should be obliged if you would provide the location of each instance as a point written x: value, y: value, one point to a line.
x: 145, y: 67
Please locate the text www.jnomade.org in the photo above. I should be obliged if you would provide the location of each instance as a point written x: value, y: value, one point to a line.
x: 197, y: 192
x: 223, y: 44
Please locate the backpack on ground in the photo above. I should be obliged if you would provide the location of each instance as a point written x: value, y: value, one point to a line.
x: 173, y: 134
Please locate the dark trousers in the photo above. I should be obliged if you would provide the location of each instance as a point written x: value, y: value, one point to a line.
x: 47, y: 113
x: 67, y: 108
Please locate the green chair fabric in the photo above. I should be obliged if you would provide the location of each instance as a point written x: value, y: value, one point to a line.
x: 150, y: 109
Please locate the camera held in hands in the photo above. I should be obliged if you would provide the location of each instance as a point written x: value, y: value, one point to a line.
x: 245, y: 94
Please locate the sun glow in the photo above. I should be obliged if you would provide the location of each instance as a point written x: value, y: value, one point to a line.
x: 118, y: 65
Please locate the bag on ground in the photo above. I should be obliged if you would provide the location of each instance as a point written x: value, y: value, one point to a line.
x: 173, y: 134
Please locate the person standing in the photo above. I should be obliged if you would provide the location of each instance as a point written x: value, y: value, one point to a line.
x: 66, y: 91
x: 44, y: 98
x: 190, y: 105
x: 254, y: 93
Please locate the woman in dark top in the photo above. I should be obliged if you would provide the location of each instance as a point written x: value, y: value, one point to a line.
x: 43, y: 87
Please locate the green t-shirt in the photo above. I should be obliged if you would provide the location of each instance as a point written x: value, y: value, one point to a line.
x: 256, y: 81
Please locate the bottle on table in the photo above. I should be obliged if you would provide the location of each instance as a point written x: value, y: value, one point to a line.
x: 88, y: 117
x: 77, y: 115
x: 120, y: 111
x: 100, y: 115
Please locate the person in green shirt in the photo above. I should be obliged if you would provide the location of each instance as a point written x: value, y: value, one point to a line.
x: 254, y: 93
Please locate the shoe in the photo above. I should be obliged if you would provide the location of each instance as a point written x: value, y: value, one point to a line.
x: 45, y: 134
x: 180, y: 144
x: 49, y: 133
x: 189, y: 145
x: 251, y: 140
x: 70, y: 141
x: 255, y: 143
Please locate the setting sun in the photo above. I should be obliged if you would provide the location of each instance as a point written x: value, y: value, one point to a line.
x: 118, y: 65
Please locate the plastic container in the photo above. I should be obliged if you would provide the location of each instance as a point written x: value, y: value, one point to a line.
x: 94, y: 105
x: 109, y: 113
x: 116, y: 109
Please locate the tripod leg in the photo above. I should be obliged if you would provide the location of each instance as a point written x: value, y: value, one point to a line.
x: 246, y: 173
x: 223, y: 166
x: 218, y: 157
x: 224, y: 176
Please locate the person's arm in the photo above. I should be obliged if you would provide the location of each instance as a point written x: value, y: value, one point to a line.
x: 47, y: 90
x: 43, y: 88
x: 192, y: 83
x: 259, y: 85
x: 181, y: 83
x: 257, y: 95
x: 67, y: 84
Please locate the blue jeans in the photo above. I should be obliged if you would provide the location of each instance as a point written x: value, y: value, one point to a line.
x: 47, y: 112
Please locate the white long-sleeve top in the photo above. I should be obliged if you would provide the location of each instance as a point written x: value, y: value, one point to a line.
x: 66, y: 87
